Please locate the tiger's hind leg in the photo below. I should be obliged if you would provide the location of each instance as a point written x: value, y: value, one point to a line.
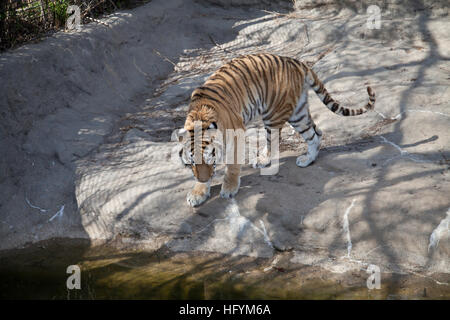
x: 265, y: 156
x: 302, y: 122
x: 312, y: 136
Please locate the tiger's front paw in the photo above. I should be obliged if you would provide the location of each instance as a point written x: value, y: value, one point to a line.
x: 229, y: 190
x: 195, y: 198
x: 199, y: 194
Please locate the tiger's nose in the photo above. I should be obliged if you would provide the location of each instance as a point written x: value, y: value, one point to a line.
x: 203, y: 172
x: 203, y: 180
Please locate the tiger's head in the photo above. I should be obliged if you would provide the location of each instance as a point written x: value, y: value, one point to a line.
x: 199, y: 144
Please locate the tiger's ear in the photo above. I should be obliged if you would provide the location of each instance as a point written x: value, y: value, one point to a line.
x: 178, y: 135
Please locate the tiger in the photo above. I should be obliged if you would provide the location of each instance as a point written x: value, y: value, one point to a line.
x: 267, y: 85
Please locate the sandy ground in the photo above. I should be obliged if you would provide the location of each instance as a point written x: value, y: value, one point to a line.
x: 86, y: 120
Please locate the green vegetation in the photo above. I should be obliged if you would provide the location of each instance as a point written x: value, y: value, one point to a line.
x: 22, y: 21
x: 59, y: 9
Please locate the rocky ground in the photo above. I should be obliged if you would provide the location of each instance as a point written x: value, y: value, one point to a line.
x: 87, y: 119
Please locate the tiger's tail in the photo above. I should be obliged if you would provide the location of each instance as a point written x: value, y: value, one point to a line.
x: 333, y: 105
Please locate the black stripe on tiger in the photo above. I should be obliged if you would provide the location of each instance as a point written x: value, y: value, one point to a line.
x: 203, y: 142
x: 200, y: 95
x: 247, y: 71
x: 247, y: 88
x: 232, y: 86
x: 212, y: 90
